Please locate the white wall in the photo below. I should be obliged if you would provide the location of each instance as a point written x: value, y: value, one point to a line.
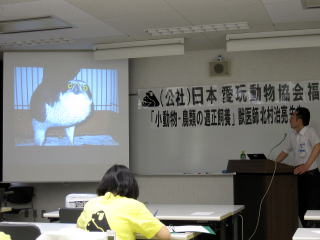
x: 186, y: 189
x: 193, y: 69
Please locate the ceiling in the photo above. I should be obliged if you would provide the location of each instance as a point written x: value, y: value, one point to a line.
x: 112, y: 21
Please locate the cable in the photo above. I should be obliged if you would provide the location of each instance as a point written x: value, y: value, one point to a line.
x: 261, y: 201
x: 284, y: 137
x: 268, y: 188
x: 242, y: 223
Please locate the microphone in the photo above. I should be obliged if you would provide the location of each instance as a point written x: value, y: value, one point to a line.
x: 284, y: 137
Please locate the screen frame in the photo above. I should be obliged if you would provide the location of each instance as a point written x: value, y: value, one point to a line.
x: 86, y: 176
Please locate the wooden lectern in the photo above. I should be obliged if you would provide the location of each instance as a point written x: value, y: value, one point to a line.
x: 279, y: 212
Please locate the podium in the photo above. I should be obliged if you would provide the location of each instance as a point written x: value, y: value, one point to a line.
x: 279, y: 211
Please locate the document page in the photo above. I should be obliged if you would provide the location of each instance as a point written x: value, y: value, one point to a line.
x: 191, y: 228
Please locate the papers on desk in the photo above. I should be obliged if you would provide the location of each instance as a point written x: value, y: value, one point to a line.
x: 191, y: 228
x: 5, y: 209
x: 201, y: 213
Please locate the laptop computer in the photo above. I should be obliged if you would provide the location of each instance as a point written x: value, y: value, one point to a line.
x: 256, y: 156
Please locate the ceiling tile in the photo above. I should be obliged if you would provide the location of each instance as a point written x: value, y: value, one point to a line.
x: 290, y: 11
x: 222, y: 11
x: 109, y: 21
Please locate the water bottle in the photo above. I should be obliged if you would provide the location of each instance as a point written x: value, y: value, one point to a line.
x: 242, y: 155
x: 111, y: 235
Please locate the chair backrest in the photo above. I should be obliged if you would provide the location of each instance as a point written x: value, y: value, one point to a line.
x: 20, y: 231
x: 20, y: 194
x: 77, y: 234
x: 69, y: 215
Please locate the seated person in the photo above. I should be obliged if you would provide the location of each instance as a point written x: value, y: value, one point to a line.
x: 4, y: 236
x: 116, y: 208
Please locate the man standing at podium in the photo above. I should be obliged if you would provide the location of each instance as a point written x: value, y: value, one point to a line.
x: 304, y: 143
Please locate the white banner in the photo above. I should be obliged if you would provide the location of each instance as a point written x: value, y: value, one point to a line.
x: 226, y: 105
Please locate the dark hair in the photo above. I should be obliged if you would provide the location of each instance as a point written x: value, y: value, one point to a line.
x: 119, y: 181
x: 303, y: 114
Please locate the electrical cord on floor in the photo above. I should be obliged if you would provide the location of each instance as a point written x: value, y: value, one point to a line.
x: 261, y: 201
x: 242, y: 223
x: 268, y: 188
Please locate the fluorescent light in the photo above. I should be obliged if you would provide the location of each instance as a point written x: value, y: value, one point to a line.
x: 32, y: 25
x: 197, y: 28
x: 49, y: 41
x: 310, y: 4
x: 138, y: 49
x: 273, y: 40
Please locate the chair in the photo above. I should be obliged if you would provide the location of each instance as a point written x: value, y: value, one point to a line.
x: 19, y: 197
x: 3, y: 192
x: 20, y: 231
x: 69, y: 215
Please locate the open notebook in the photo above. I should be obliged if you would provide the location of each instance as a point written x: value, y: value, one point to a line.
x: 191, y: 228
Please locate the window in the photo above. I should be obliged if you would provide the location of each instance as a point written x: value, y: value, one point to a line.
x: 103, y: 84
x: 26, y: 80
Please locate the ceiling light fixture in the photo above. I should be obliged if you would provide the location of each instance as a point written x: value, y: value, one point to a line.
x: 36, y: 42
x: 32, y: 25
x: 310, y: 4
x: 139, y: 49
x: 273, y: 40
x: 197, y: 29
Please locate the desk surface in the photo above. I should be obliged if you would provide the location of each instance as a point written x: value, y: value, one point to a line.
x: 198, y: 212
x: 44, y: 227
x: 312, y: 215
x: 307, y: 234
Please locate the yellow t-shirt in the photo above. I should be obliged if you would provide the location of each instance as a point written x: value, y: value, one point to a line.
x: 126, y: 216
x: 4, y: 236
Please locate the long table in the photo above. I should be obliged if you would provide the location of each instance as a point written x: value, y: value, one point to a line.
x: 222, y: 218
x: 46, y: 227
x: 313, y: 215
x: 307, y: 234
x: 206, y: 212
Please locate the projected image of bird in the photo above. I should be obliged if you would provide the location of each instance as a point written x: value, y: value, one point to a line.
x: 59, y: 105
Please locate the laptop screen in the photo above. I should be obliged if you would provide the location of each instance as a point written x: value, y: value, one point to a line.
x: 256, y: 156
